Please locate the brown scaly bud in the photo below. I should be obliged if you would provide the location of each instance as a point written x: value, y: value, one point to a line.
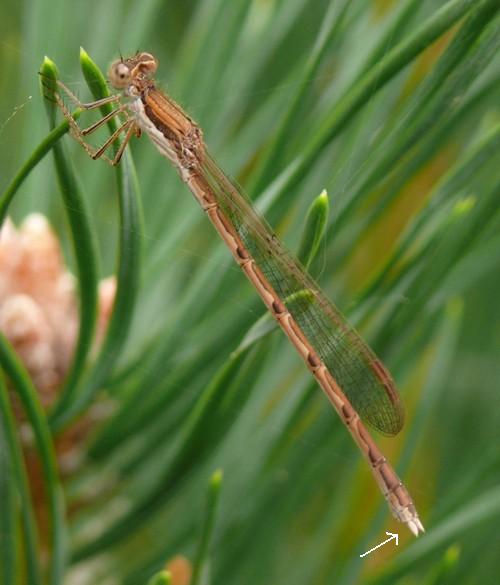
x: 39, y: 303
x: 39, y: 316
x: 38, y: 308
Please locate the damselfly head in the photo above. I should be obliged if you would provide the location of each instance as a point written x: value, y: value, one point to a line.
x: 124, y: 72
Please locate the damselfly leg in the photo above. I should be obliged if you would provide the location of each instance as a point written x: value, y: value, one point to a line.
x: 127, y: 124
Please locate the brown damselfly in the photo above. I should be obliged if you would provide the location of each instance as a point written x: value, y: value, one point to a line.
x: 353, y: 378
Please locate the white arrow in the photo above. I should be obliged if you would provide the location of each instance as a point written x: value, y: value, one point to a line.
x: 391, y: 537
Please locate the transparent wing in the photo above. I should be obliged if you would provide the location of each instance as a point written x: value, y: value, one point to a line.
x: 357, y: 370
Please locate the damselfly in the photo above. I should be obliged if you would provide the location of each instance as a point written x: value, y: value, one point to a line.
x: 352, y: 377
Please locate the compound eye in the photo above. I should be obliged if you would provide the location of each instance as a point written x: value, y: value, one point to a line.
x: 119, y: 75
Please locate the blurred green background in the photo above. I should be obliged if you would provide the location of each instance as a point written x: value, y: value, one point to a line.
x: 392, y: 107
